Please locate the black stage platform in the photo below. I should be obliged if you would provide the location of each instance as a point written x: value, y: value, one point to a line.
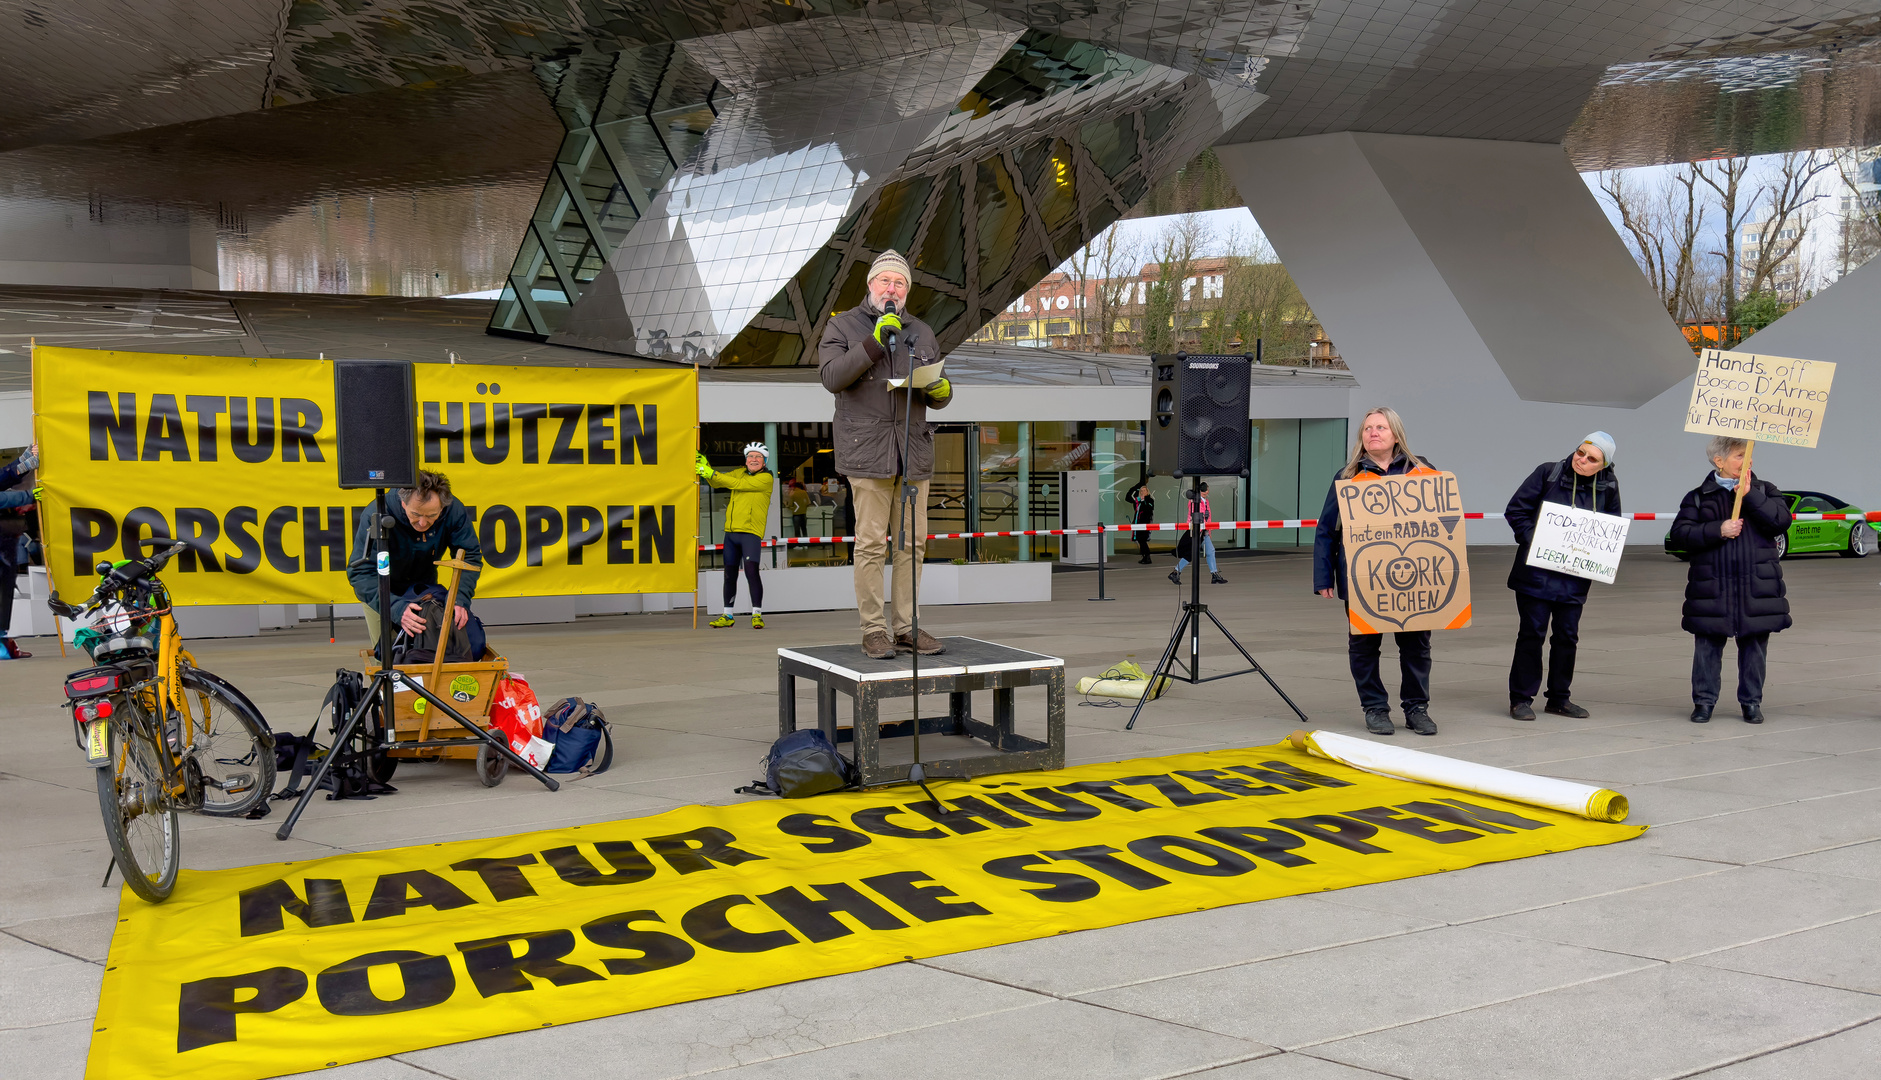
x: 968, y: 665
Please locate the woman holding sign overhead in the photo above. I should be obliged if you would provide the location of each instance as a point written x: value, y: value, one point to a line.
x: 1380, y: 450
x: 1584, y: 479
x: 1734, y: 585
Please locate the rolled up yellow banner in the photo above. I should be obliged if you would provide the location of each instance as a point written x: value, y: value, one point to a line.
x: 1583, y: 800
x: 1117, y: 688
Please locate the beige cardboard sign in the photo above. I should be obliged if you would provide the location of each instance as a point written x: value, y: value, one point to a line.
x: 1406, y: 565
x: 1773, y: 399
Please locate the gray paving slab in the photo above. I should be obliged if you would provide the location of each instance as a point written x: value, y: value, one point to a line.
x: 46, y: 1050
x: 1296, y: 1001
x: 1699, y: 914
x: 1292, y: 1066
x: 86, y: 936
x: 56, y: 991
x: 1856, y: 861
x: 1775, y: 832
x: 1844, y: 954
x: 1092, y: 960
x: 1059, y: 1038
x: 721, y: 1033
x: 1852, y: 1053
x: 1670, y: 1020
x: 1504, y: 888
x: 1787, y: 795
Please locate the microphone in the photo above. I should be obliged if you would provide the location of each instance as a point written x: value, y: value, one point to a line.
x: 889, y: 337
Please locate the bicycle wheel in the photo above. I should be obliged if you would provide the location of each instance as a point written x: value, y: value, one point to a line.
x: 232, y: 747
x: 139, y: 816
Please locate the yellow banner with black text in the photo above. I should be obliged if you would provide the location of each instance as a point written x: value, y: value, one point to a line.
x: 577, y: 480
x: 288, y: 967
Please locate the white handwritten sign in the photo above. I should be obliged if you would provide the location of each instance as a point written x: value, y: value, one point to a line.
x: 1577, y: 542
x: 1774, y: 399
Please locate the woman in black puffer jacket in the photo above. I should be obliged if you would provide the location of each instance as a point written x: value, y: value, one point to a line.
x: 1584, y: 479
x: 1734, y: 586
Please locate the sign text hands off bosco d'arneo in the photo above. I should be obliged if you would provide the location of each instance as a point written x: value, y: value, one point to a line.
x: 1772, y: 399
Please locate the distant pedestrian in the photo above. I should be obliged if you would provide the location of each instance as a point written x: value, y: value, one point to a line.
x: 745, y: 516
x: 797, y: 502
x: 1200, y: 518
x: 1583, y: 479
x: 1379, y: 450
x: 1734, y: 585
x: 1142, y: 512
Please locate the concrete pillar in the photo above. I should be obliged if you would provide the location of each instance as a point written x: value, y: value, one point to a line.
x: 106, y: 244
x: 1477, y: 288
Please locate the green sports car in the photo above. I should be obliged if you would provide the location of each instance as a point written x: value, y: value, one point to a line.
x: 1850, y: 539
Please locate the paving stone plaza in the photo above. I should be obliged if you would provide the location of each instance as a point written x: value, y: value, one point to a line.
x: 1738, y: 938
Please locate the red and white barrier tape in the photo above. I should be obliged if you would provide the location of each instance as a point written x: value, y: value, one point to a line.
x: 1233, y: 526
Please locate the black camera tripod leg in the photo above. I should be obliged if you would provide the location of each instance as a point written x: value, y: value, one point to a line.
x: 367, y: 701
x: 1255, y: 666
x: 1162, y: 666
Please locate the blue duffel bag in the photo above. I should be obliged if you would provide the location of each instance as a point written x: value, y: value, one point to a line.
x: 579, y: 731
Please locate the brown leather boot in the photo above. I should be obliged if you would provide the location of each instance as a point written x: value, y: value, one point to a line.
x: 13, y: 647
x: 929, y: 645
x: 877, y: 645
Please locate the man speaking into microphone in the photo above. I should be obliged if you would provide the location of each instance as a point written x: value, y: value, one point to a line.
x: 862, y: 349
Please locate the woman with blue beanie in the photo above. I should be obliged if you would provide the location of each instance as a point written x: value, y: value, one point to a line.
x: 1583, y: 479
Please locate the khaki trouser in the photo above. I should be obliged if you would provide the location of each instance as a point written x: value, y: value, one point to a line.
x: 372, y: 626
x: 878, y: 512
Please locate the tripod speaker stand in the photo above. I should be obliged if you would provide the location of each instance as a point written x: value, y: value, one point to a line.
x: 1193, y: 611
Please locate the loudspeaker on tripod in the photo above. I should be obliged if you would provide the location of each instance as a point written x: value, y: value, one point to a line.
x: 1198, y: 415
x: 376, y: 427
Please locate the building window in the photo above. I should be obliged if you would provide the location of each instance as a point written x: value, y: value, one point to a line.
x: 1057, y: 329
x: 1019, y: 330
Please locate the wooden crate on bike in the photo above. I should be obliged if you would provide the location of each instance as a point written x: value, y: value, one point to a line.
x: 468, y: 687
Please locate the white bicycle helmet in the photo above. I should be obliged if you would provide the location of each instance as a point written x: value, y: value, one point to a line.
x: 758, y: 448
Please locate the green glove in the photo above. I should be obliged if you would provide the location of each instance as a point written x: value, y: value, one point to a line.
x: 888, y: 321
x: 940, y: 390
x: 703, y: 468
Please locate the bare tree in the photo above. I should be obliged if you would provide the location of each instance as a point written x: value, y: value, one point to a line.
x: 1663, y: 232
x: 1171, y: 298
x: 1725, y: 178
x: 1859, y: 238
x: 1115, y: 272
x: 1789, y: 200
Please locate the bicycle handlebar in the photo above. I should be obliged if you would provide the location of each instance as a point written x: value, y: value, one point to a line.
x: 128, y: 574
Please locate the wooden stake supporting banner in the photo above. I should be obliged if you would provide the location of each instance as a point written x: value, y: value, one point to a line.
x: 458, y: 566
x: 1743, y: 477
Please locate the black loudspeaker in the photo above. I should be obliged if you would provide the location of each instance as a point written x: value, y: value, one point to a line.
x: 377, y: 428
x: 1198, y: 415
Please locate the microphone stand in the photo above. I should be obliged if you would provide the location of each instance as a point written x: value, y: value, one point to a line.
x: 910, y: 494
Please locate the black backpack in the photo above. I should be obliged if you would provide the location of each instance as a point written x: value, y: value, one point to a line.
x: 801, y: 764
x: 466, y: 645
x: 359, y: 771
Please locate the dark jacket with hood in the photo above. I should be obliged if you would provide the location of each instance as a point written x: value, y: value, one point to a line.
x: 1328, y: 547
x: 1555, y: 482
x: 414, y: 553
x: 1733, y: 587
x: 869, y: 416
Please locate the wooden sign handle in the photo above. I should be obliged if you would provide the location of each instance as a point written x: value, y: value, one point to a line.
x: 1743, y: 479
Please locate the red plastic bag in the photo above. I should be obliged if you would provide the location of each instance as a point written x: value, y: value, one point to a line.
x: 515, y: 712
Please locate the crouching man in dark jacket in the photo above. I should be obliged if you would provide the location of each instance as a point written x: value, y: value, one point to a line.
x: 855, y: 365
x: 1734, y: 585
x: 427, y: 525
x: 1584, y: 479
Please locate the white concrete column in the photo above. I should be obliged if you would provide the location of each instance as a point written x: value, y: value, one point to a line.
x: 106, y: 244
x: 1477, y: 288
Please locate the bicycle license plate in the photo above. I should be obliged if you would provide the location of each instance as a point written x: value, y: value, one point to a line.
x: 97, y: 743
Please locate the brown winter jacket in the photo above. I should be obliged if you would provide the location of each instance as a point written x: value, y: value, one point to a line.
x: 869, y: 416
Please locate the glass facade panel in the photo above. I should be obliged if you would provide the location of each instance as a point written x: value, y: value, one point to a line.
x: 999, y: 490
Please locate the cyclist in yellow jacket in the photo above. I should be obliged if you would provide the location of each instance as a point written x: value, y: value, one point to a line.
x: 744, y: 527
